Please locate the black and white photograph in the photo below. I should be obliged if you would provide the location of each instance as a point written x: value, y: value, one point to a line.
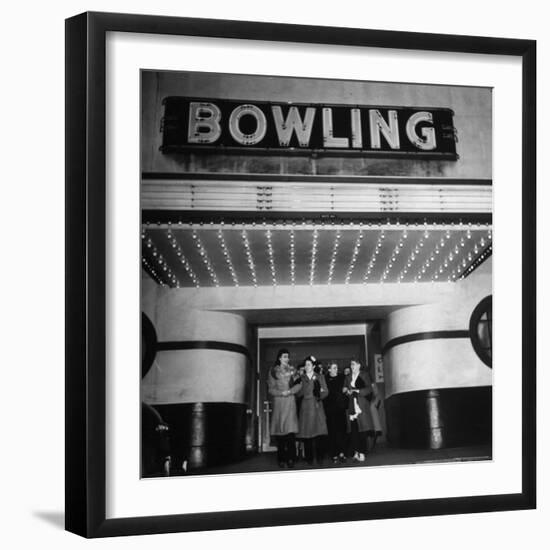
x: 316, y: 273
x: 254, y: 253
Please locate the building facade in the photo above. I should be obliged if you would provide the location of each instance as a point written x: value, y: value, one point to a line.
x: 334, y: 218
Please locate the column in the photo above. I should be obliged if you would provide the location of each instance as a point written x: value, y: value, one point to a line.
x: 199, y: 383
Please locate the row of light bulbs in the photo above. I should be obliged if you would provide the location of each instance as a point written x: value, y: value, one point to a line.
x: 152, y: 271
x: 161, y: 262
x: 412, y: 257
x: 423, y: 271
x: 271, y: 258
x: 205, y: 259
x: 182, y: 259
x: 464, y: 269
x: 313, y: 262
x: 487, y: 252
x: 227, y: 257
x: 292, y: 258
x: 354, y: 254
x: 372, y: 261
x: 429, y: 260
x: 387, y: 224
x: 249, y: 258
x: 445, y: 258
x: 395, y: 254
x: 333, y: 256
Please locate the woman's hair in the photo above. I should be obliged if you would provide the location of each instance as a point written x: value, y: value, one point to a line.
x: 308, y: 358
x: 281, y: 352
x: 273, y: 369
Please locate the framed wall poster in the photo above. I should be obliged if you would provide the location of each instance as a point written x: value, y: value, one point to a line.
x: 252, y: 210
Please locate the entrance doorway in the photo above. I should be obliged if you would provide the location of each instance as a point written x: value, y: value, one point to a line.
x: 326, y: 350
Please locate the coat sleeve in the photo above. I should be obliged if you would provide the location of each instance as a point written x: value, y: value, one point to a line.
x: 366, y: 389
x: 272, y: 387
x: 324, y: 388
x: 296, y: 388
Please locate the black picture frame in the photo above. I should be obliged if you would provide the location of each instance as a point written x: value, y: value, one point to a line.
x: 86, y: 272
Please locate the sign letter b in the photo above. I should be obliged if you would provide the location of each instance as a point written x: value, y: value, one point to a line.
x: 204, y: 123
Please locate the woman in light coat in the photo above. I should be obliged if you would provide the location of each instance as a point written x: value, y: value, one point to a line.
x: 359, y: 419
x: 312, y: 421
x: 283, y: 384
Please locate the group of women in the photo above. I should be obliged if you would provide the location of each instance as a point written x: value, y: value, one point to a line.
x: 323, y: 412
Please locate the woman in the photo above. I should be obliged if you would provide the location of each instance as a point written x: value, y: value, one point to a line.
x: 312, y: 421
x: 336, y: 404
x: 359, y: 420
x: 283, y: 385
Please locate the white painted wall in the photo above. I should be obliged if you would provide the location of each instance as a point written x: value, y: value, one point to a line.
x: 188, y: 314
x: 438, y: 363
x: 192, y: 376
x: 197, y: 375
x: 450, y: 312
x: 305, y: 296
x: 427, y: 364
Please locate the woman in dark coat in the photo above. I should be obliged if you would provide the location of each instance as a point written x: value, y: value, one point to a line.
x: 336, y: 405
x: 312, y: 421
x: 283, y: 384
x: 358, y: 388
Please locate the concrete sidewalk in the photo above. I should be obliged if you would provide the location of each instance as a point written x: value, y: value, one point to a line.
x: 381, y: 456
